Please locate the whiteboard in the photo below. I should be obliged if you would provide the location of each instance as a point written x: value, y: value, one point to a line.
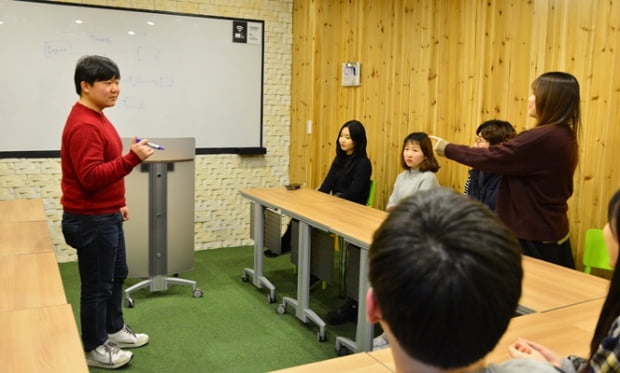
x: 181, y: 75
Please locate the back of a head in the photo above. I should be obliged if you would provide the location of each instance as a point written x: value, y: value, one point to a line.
x: 446, y: 274
x: 557, y: 99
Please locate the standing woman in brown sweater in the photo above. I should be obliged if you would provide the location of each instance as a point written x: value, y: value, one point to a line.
x: 537, y: 168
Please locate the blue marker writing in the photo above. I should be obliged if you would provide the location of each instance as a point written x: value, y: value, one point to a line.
x: 151, y: 145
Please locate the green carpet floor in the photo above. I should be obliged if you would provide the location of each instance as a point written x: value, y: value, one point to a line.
x: 231, y: 328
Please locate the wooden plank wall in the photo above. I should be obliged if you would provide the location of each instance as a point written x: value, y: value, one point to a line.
x: 445, y: 66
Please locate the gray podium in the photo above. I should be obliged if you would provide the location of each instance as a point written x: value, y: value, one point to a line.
x: 159, y: 234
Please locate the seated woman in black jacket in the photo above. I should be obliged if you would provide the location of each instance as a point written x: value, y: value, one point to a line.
x: 348, y: 178
x: 349, y: 174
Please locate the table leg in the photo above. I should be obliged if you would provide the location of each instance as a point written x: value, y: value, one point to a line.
x: 363, y: 330
x: 302, y: 303
x: 259, y: 244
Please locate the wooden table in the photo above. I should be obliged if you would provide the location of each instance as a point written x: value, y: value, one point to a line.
x: 569, y: 300
x: 360, y: 223
x: 25, y: 237
x: 39, y: 330
x: 358, y: 229
x: 356, y: 363
x: 547, y: 286
x: 43, y: 339
x: 567, y: 330
x: 30, y: 281
x: 21, y: 210
x: 563, y: 338
x: 291, y: 202
x: 322, y: 211
x: 298, y: 204
x: 583, y: 315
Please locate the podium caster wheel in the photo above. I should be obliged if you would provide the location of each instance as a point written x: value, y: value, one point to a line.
x: 197, y: 293
x: 271, y: 299
x: 245, y: 278
x: 129, y: 302
x: 321, y: 338
x: 281, y: 309
x: 342, y: 351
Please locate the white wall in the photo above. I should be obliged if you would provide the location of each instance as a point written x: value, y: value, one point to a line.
x: 222, y: 216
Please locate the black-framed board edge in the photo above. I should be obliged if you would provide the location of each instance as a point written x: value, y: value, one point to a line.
x: 37, y: 152
x: 34, y: 154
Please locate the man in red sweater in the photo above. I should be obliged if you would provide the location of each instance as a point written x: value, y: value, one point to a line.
x: 93, y: 199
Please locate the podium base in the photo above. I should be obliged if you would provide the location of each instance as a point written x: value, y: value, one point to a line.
x: 159, y: 283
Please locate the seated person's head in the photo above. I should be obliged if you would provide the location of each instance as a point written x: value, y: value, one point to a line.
x: 493, y: 132
x: 445, y: 279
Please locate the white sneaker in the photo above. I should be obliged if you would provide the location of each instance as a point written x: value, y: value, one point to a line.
x: 380, y: 342
x: 127, y: 338
x: 108, y: 356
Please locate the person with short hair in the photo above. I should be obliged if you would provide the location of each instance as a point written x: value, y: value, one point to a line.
x: 483, y: 185
x: 419, y: 164
x: 445, y: 276
x: 94, y: 208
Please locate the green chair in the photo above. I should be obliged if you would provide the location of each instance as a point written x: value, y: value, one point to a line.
x: 595, y: 253
x: 371, y: 193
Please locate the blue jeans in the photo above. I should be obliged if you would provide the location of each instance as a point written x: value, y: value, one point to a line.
x: 100, y: 244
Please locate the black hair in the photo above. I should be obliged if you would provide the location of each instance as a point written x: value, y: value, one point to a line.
x: 91, y: 69
x: 358, y: 136
x: 611, y: 308
x: 446, y: 274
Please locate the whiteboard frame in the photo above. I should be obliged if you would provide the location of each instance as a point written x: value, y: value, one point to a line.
x: 67, y: 86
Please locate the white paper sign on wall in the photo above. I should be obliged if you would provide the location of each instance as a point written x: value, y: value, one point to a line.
x: 351, y: 74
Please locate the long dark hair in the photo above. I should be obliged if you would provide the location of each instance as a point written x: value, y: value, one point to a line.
x: 611, y: 307
x: 358, y: 135
x: 557, y: 99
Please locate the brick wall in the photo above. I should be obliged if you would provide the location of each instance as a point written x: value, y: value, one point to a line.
x: 221, y: 215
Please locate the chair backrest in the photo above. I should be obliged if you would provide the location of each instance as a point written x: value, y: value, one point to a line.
x: 595, y: 253
x: 371, y: 193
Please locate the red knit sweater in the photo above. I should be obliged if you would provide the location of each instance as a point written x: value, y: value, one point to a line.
x: 93, y: 166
